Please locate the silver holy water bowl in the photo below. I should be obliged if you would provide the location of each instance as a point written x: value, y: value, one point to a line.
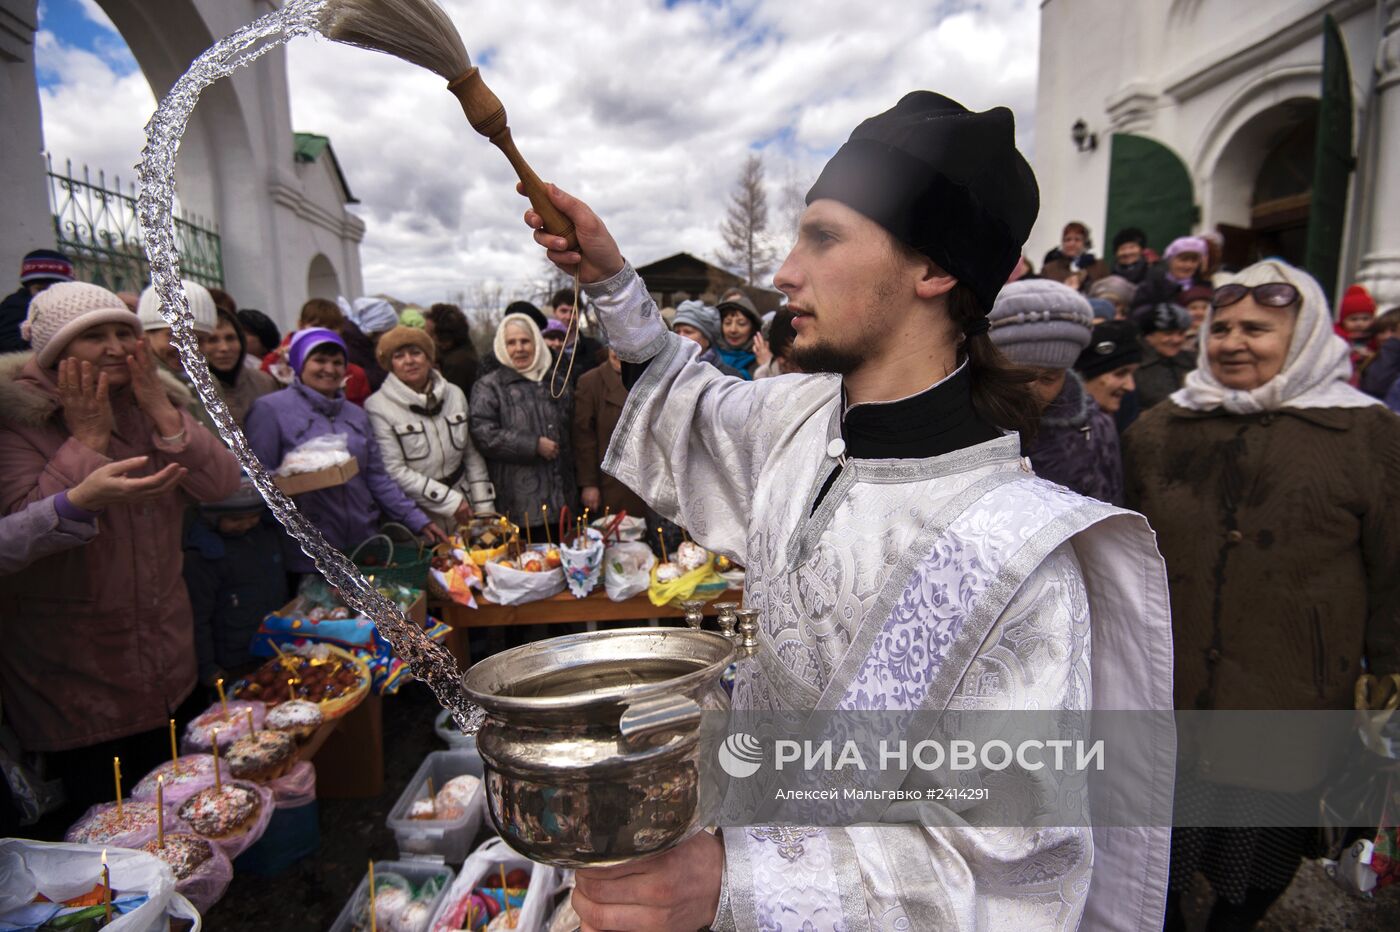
x: 594, y: 745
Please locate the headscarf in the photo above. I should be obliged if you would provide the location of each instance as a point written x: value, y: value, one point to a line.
x: 1315, y: 372
x: 371, y: 315
x: 540, y: 364
x: 304, y: 342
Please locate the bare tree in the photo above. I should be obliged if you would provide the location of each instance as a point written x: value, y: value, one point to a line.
x: 746, y: 248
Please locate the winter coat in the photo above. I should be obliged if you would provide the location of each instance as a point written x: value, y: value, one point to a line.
x: 98, y: 640
x: 250, y: 385
x: 597, y: 409
x: 36, y: 531
x: 586, y: 357
x: 1159, y: 375
x: 348, y: 514
x: 1077, y: 444
x: 14, y: 310
x: 461, y: 367
x: 1382, y: 370
x: 422, y: 451
x: 1156, y: 288
x: 1281, y: 534
x: 234, y: 582
x: 184, y: 396
x: 509, y: 414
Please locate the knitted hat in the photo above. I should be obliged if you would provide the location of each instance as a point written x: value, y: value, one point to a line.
x: 246, y: 499
x: 556, y: 328
x: 944, y: 181
x: 371, y: 315
x: 1194, y: 293
x: 1113, y: 288
x: 1114, y: 343
x: 1356, y: 300
x: 305, y: 341
x: 45, y: 265
x: 201, y: 309
x: 1129, y: 235
x: 1040, y: 323
x: 743, y: 305
x: 1186, y: 244
x: 1159, y: 317
x: 400, y: 337
x: 412, y: 317
x: 62, y: 311
x: 701, y: 316
x: 1103, y: 309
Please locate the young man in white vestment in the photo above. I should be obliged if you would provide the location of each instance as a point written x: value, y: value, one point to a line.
x: 901, y: 553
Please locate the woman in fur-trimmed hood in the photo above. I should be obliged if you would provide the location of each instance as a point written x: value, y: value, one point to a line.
x: 99, y: 646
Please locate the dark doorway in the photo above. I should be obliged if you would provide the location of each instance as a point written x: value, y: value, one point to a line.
x: 1280, y: 206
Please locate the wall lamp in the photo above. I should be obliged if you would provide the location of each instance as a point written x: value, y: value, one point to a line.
x: 1084, y: 140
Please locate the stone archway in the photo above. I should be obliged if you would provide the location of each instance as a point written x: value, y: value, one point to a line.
x: 322, y: 280
x: 236, y: 162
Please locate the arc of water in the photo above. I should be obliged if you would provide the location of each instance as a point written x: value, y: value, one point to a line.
x: 429, y: 661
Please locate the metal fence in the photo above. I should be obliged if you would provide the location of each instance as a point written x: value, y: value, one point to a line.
x: 97, y: 229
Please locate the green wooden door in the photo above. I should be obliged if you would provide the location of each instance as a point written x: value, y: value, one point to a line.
x: 1334, y: 162
x: 1149, y: 188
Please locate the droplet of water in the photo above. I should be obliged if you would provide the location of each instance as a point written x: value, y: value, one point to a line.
x: 430, y: 662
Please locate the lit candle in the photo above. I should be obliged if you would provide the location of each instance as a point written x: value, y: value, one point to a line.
x: 117, y: 775
x: 223, y: 700
x: 218, y: 781
x: 106, y: 890
x: 505, y: 897
x: 373, y: 919
x: 544, y: 510
x: 160, y: 811
x: 661, y: 537
x: 291, y: 687
x: 174, y: 748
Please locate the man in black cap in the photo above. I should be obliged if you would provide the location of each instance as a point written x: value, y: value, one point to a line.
x: 897, y: 548
x: 39, y: 269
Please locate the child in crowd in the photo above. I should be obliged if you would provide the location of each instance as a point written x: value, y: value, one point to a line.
x: 235, y: 576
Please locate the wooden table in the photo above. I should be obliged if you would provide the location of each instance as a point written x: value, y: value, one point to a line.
x: 560, y: 609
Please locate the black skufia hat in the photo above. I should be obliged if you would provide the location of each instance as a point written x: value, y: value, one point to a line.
x: 944, y: 180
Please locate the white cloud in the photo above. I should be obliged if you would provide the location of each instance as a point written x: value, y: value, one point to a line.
x: 94, y: 113
x: 646, y: 112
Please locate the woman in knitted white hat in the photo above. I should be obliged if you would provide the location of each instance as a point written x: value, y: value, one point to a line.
x: 99, y: 646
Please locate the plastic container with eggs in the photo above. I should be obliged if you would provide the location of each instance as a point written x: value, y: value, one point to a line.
x: 407, y: 896
x: 472, y: 893
x: 443, y: 826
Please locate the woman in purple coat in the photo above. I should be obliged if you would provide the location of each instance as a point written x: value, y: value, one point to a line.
x: 312, y: 406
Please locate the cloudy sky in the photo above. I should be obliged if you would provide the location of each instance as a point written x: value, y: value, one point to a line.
x: 646, y: 108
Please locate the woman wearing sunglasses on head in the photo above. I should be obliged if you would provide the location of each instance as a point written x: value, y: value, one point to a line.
x: 1271, y: 485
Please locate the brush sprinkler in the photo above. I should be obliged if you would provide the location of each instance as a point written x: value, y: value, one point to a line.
x: 420, y: 32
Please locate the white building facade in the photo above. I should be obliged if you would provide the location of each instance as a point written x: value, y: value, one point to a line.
x: 1220, y: 104
x: 278, y: 198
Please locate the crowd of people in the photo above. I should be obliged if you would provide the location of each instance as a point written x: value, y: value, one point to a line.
x: 1232, y: 408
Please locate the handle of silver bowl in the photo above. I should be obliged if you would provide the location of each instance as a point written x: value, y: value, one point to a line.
x: 650, y: 722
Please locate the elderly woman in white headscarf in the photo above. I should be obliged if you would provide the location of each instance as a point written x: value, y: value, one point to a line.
x: 1271, y: 484
x: 521, y: 423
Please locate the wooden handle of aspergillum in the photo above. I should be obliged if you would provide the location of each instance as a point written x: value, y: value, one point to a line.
x: 488, y: 117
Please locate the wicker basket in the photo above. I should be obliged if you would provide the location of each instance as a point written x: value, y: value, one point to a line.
x: 478, y: 523
x: 404, y: 563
